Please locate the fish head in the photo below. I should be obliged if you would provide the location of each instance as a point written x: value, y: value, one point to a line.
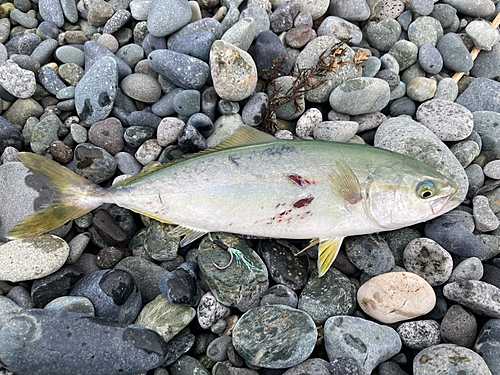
x: 408, y: 192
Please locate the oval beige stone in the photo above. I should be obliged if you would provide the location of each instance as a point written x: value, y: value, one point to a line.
x: 396, y: 296
x: 233, y: 71
x: 32, y: 258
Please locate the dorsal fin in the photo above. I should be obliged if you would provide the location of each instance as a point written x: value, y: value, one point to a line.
x: 244, y: 136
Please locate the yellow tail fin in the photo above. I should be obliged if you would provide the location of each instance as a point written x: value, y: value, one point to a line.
x: 75, y: 196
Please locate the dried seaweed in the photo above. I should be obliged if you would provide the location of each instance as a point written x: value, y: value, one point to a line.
x: 305, y: 80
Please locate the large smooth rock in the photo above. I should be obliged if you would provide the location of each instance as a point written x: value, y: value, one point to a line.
x: 32, y: 258
x: 274, y: 336
x: 396, y: 296
x: 233, y: 71
x: 237, y: 285
x: 368, y: 343
x: 40, y: 342
x: 478, y: 296
x: 167, y: 16
x: 96, y: 92
x: 408, y: 137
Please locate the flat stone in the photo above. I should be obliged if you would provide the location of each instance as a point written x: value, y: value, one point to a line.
x: 396, y: 296
x: 448, y: 120
x: 368, y: 343
x: 478, y: 296
x: 207, y: 24
x: 196, y: 44
x: 233, y: 71
x: 370, y: 253
x: 274, y: 336
x: 483, y: 94
x: 329, y: 295
x: 19, y: 82
x: 94, y: 163
x: 141, y: 87
x: 93, y: 52
x: 474, y: 8
x: 75, y: 341
x: 237, y: 285
x: 32, y: 258
x: 488, y: 344
x: 51, y: 10
x: 71, y: 304
x: 340, y: 28
x: 182, y: 70
x: 438, y: 359
x: 164, y: 317
x: 375, y: 93
x: 241, y: 34
x: 96, y: 91
x: 455, y: 54
x: 107, y: 134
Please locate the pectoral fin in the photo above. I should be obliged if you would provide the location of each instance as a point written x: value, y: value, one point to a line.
x: 190, y: 234
x: 345, y: 184
x: 327, y: 252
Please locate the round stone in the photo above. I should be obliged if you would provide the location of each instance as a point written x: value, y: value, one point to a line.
x: 32, y: 258
x: 425, y: 30
x: 435, y: 360
x: 169, y: 130
x: 405, y: 53
x: 419, y: 334
x: 455, y: 54
x: 233, y: 70
x: 369, y: 253
x: 484, y: 217
x: 396, y: 296
x: 181, y: 286
x: 384, y: 34
x: 107, y: 134
x: 307, y: 122
x: 274, y: 336
x: 210, y: 311
x: 196, y: 44
x: 340, y: 28
x: 483, y: 34
x: 459, y: 326
x: 114, y: 294
x: 421, y: 89
x: 368, y: 343
x: 430, y: 59
x: 19, y: 82
x: 142, y: 87
x: 167, y: 16
x: 375, y: 93
x: 255, y: 109
x: 335, y: 131
x: 487, y: 343
x: 280, y: 295
x: 469, y: 269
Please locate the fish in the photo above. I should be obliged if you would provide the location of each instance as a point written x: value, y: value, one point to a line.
x: 258, y: 185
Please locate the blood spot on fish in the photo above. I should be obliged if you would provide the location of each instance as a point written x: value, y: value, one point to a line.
x: 300, y: 181
x: 303, y: 202
x: 159, y: 197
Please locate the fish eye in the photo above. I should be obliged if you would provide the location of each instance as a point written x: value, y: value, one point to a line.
x: 426, y: 189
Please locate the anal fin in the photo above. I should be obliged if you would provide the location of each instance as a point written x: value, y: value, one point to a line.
x: 190, y: 234
x: 327, y: 252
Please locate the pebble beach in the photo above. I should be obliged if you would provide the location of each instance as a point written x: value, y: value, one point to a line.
x: 112, y: 88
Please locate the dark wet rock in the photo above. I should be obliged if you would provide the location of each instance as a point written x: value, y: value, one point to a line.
x: 274, y: 336
x: 75, y: 341
x: 114, y: 294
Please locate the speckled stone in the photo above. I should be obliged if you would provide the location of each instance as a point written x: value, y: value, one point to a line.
x: 419, y: 334
x: 459, y: 326
x: 366, y: 342
x: 396, y: 296
x: 32, y: 258
x: 488, y: 344
x: 274, y: 336
x: 408, y: 137
x: 174, y: 66
x: 370, y: 253
x: 19, y: 82
x: 96, y: 91
x: 425, y: 30
x: 474, y: 8
x: 335, y: 131
x: 44, y: 133
x: 233, y: 70
x: 478, y: 296
x: 449, y: 358
x: 375, y: 93
x: 484, y: 217
x: 210, y: 311
x: 51, y: 10
x: 331, y: 294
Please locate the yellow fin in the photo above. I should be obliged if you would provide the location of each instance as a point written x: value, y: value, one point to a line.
x: 74, y: 197
x: 190, y: 234
x: 327, y: 252
x: 345, y: 184
x: 244, y: 136
x: 311, y: 244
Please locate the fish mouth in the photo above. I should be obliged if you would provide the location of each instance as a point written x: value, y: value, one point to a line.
x: 445, y: 204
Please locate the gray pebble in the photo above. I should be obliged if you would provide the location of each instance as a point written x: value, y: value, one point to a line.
x: 419, y: 334
x: 459, y: 326
x: 405, y: 53
x: 255, y: 109
x: 280, y: 295
x: 77, y: 246
x: 455, y: 54
x: 369, y: 253
x: 335, y: 131
x: 217, y: 350
x: 421, y: 89
x: 484, y: 217
x: 478, y: 296
x: 141, y: 87
x: 430, y: 59
x: 425, y: 30
x: 447, y: 89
